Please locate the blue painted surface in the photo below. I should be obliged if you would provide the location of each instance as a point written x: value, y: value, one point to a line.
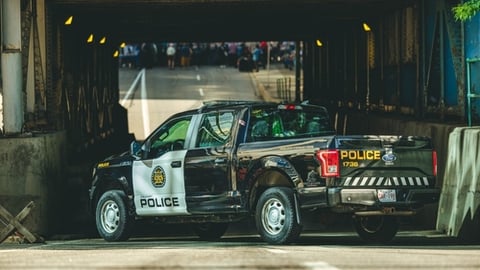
x: 450, y: 83
x: 472, y: 50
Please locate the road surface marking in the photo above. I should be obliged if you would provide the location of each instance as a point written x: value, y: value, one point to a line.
x: 132, y: 87
x: 145, y: 112
x: 277, y: 251
x: 200, y: 90
x: 319, y: 266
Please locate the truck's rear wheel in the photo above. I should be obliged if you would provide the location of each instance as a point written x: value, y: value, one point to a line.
x: 276, y: 216
x: 376, y: 229
x: 210, y: 231
x: 112, y: 217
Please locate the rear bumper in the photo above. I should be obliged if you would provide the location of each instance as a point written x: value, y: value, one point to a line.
x: 405, y: 198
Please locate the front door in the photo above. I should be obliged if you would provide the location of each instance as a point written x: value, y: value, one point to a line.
x: 158, y: 176
x: 158, y: 185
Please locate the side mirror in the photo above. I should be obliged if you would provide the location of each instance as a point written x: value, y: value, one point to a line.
x: 135, y: 148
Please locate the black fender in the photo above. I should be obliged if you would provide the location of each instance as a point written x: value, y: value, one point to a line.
x: 272, y: 171
x: 106, y: 181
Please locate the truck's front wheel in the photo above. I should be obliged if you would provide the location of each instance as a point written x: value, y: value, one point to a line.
x: 112, y: 218
x: 276, y: 216
x: 376, y: 229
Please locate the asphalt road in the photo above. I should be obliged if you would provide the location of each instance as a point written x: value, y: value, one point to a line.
x: 152, y: 95
x: 314, y: 251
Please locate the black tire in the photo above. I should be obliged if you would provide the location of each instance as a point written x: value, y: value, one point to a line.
x: 376, y: 229
x: 210, y: 231
x: 276, y: 216
x: 112, y: 217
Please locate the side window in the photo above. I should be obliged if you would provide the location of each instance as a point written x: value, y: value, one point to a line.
x: 262, y: 124
x: 215, y: 129
x: 169, y: 137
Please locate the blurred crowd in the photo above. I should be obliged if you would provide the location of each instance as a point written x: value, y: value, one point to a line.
x: 246, y: 56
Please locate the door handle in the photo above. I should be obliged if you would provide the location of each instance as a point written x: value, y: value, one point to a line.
x: 176, y: 164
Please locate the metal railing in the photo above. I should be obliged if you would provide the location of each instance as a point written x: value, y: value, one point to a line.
x: 470, y: 95
x: 284, y: 89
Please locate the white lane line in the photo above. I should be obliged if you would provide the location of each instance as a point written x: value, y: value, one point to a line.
x: 277, y: 251
x: 200, y: 90
x: 319, y: 266
x: 132, y: 87
x: 145, y: 112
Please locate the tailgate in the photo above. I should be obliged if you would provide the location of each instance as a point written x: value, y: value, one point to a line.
x: 372, y: 161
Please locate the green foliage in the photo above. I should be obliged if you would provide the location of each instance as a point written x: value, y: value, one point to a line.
x: 466, y: 10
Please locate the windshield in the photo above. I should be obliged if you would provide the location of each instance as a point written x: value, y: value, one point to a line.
x: 170, y: 136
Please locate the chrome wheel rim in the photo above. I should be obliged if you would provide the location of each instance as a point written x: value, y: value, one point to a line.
x: 273, y: 216
x: 110, y: 216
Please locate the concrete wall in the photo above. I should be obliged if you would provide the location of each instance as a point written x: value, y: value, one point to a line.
x: 33, y: 170
x: 458, y: 212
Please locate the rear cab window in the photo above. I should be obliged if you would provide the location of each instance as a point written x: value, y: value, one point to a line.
x: 288, y: 121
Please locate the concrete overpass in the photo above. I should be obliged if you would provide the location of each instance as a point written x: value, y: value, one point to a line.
x: 408, y: 74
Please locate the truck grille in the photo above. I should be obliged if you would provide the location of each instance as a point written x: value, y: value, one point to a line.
x: 385, y: 181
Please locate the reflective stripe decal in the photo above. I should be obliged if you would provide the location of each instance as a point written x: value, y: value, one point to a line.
x: 425, y: 181
x: 364, y: 180
x: 386, y: 181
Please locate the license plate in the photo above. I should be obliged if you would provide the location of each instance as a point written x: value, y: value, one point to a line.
x: 386, y: 195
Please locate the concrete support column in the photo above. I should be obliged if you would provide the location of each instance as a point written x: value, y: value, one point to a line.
x: 13, y: 107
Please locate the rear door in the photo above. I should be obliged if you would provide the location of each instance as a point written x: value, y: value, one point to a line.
x: 208, y: 162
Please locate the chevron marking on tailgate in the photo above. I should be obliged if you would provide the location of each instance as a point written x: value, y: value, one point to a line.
x: 386, y: 181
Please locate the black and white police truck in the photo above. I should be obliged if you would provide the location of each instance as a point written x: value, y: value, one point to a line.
x: 230, y: 161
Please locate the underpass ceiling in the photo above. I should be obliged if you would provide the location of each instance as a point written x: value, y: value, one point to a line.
x: 217, y: 20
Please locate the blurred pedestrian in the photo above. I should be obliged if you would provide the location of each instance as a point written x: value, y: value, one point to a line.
x: 196, y: 53
x: 148, y: 55
x: 185, y: 55
x: 232, y: 54
x: 171, y: 56
x: 256, y: 57
x: 264, y: 48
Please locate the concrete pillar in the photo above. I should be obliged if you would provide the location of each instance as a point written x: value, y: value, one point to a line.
x: 13, y: 107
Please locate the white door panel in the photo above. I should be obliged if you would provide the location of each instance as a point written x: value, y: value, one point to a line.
x: 158, y: 185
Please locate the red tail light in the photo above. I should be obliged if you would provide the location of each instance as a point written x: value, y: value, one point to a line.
x: 329, y: 162
x: 434, y: 161
x: 290, y: 107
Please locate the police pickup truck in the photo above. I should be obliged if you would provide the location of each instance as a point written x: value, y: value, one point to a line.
x: 229, y: 161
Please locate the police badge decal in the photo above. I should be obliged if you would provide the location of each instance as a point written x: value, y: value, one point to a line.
x: 158, y: 177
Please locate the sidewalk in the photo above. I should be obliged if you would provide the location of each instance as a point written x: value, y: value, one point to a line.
x: 275, y: 83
